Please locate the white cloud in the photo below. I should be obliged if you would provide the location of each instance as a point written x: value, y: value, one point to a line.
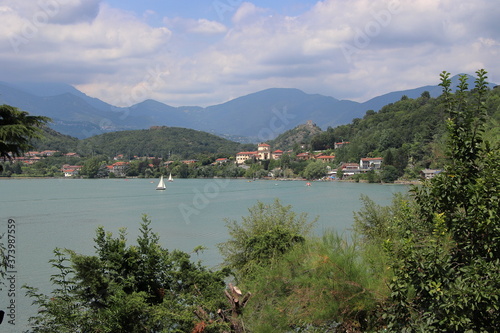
x: 247, y: 13
x: 353, y: 49
x: 200, y: 26
x: 112, y: 39
x: 55, y: 11
x: 204, y: 26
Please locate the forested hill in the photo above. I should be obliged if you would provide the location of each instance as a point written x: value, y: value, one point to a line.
x: 410, y: 132
x: 158, y: 141
x: 53, y: 140
x: 295, y: 137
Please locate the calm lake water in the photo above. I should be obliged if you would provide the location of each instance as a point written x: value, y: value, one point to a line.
x: 64, y: 213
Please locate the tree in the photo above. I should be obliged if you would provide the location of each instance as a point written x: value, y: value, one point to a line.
x: 92, y: 168
x: 315, y: 170
x: 17, y: 128
x: 285, y: 161
x: 444, y: 252
x: 340, y: 173
x: 138, y: 288
x: 269, y: 231
x: 425, y: 95
x: 389, y: 174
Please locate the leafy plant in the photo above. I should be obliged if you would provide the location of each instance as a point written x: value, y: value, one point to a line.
x: 446, y: 263
x: 17, y: 128
x: 323, y: 285
x: 138, y: 288
x: 269, y: 231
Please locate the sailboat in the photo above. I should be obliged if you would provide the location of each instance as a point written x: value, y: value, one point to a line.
x: 170, y: 179
x: 161, y: 185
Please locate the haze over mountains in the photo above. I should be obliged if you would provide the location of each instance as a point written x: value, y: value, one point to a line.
x: 259, y: 116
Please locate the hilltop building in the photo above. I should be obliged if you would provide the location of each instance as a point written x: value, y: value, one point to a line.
x: 264, y: 152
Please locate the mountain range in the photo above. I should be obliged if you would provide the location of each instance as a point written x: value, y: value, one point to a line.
x: 256, y: 117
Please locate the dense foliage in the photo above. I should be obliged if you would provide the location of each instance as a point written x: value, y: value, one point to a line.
x: 138, y: 288
x: 17, y: 128
x: 269, y: 231
x: 325, y: 284
x: 53, y: 140
x: 300, y: 282
x: 443, y: 244
x: 160, y: 142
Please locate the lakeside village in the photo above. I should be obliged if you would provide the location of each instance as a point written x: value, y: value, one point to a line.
x: 120, y: 166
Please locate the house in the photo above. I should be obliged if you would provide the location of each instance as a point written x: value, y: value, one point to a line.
x: 241, y: 157
x: 349, y: 169
x: 305, y: 156
x: 71, y: 155
x: 276, y: 155
x: 221, y: 161
x: 49, y: 152
x: 189, y: 161
x: 119, y: 168
x: 70, y: 170
x: 430, y: 173
x: 263, y: 153
x: 325, y: 158
x: 340, y: 144
x: 32, y: 160
x: 371, y: 163
x: 24, y: 159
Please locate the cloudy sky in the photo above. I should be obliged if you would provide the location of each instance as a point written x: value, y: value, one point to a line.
x: 206, y: 52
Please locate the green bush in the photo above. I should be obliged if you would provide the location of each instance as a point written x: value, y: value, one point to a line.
x: 323, y: 285
x: 138, y: 288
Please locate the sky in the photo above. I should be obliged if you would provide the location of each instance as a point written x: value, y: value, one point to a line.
x: 206, y: 52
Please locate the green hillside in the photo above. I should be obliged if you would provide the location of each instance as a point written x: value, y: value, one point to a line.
x: 410, y: 134
x: 53, y: 140
x: 160, y: 142
x: 296, y: 136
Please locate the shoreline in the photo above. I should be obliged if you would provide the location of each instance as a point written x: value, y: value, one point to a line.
x: 397, y: 182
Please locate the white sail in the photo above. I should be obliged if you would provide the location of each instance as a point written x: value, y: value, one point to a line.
x: 170, y: 179
x: 161, y: 184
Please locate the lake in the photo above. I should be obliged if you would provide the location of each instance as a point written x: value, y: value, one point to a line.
x: 64, y: 213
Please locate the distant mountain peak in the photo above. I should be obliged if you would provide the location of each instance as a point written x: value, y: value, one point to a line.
x: 259, y: 116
